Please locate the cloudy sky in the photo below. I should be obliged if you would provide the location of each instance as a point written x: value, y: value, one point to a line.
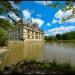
x: 47, y: 18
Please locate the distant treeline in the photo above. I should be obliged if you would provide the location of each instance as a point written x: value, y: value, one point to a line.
x: 65, y: 36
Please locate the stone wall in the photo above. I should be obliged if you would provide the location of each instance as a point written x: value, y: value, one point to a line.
x: 26, y: 34
x: 31, y: 35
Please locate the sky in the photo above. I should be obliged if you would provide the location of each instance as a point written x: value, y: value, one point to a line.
x: 47, y: 18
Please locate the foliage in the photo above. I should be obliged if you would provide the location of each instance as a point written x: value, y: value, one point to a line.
x: 69, y: 36
x: 3, y: 36
x: 5, y: 8
x: 58, y: 36
x: 5, y: 23
x: 31, y: 67
x: 49, y: 38
x: 67, y: 5
x: 64, y: 36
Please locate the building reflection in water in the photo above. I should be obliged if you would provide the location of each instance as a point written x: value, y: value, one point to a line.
x: 21, y: 51
x: 33, y: 50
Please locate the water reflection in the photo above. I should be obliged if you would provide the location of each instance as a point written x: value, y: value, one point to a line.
x: 21, y: 51
x: 61, y: 51
x: 33, y: 50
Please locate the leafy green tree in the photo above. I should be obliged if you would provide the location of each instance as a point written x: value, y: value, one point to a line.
x: 64, y: 37
x: 49, y: 38
x: 4, y: 26
x: 70, y: 35
x: 3, y: 36
x: 58, y: 37
x: 4, y: 23
x: 68, y: 5
x: 5, y: 8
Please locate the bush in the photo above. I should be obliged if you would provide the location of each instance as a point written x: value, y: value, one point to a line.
x: 3, y: 36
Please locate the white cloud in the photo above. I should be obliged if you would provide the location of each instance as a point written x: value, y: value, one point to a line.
x: 54, y: 21
x: 61, y: 29
x: 41, y: 2
x: 3, y: 17
x: 39, y: 15
x: 13, y: 15
x: 40, y: 22
x: 44, y: 2
x: 61, y: 14
x: 48, y: 24
x: 68, y: 13
x: 26, y: 14
x: 71, y: 20
x: 46, y: 33
x: 60, y: 21
x: 49, y: 2
x: 14, y: 5
x: 57, y: 21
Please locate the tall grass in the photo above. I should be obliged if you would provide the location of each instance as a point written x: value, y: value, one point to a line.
x: 32, y: 66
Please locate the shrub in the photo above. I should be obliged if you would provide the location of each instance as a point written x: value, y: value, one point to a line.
x: 3, y: 36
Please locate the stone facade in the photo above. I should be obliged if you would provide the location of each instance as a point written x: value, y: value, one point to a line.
x: 26, y: 33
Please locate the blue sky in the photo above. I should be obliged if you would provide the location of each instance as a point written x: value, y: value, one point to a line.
x: 47, y: 18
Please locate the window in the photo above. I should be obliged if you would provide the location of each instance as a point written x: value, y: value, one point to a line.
x: 36, y: 37
x: 32, y: 32
x: 21, y: 30
x: 36, y: 33
x: 32, y: 37
x: 28, y: 31
x: 28, y: 36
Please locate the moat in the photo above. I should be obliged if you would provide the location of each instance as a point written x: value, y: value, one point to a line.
x: 41, y: 51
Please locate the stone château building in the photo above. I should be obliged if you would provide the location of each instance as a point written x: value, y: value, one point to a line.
x: 26, y: 32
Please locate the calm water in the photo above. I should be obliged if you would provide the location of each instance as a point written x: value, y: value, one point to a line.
x: 47, y: 51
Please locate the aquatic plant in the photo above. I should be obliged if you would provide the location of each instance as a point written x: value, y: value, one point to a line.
x: 35, y: 67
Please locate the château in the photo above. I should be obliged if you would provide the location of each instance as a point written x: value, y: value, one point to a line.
x: 26, y: 32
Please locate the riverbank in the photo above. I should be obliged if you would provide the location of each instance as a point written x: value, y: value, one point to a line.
x: 66, y: 40
x: 3, y: 51
x: 61, y: 41
x: 35, y: 67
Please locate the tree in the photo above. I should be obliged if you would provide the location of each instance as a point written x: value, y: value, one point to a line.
x: 49, y: 38
x: 68, y: 5
x: 4, y: 23
x: 4, y: 26
x: 64, y: 36
x: 6, y: 7
x: 3, y: 36
x: 58, y: 37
